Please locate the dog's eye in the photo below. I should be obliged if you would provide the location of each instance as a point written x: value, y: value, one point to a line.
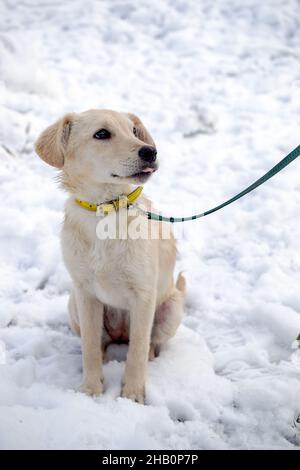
x: 135, y: 131
x: 102, y: 134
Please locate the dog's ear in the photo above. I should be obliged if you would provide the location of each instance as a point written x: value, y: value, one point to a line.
x: 141, y: 130
x: 52, y: 143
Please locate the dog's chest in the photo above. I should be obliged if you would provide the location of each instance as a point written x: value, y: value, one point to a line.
x: 110, y: 268
x: 111, y: 272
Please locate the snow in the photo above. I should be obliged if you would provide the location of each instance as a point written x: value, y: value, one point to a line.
x: 217, y: 83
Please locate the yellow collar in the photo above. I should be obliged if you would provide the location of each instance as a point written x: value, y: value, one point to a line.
x: 106, y: 207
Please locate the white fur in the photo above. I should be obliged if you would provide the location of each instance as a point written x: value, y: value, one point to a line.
x: 125, y: 284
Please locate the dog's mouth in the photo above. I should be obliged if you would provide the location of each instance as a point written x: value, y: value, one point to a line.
x: 141, y: 175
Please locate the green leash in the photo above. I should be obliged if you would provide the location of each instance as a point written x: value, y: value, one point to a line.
x: 276, y: 169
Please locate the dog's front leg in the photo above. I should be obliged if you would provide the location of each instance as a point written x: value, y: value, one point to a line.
x: 141, y: 321
x: 90, y: 312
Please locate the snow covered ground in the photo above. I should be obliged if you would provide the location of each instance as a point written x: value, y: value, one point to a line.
x: 218, y: 84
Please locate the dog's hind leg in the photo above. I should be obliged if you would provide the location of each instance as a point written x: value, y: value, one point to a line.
x: 168, y: 317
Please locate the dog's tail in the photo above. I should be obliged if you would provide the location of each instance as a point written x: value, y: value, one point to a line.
x: 181, y: 283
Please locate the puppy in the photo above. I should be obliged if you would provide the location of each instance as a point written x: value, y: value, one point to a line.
x: 123, y: 288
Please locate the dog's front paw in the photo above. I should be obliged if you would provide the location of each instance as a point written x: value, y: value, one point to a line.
x: 134, y: 392
x: 92, y: 389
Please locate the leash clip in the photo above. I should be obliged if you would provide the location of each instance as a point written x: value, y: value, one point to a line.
x: 104, y: 209
x: 122, y: 202
x: 108, y: 207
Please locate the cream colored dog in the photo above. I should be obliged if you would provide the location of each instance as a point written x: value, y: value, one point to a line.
x: 122, y: 288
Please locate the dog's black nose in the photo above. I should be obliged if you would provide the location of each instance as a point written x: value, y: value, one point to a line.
x: 148, y: 154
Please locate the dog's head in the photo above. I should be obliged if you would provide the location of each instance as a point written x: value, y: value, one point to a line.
x: 103, y: 146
